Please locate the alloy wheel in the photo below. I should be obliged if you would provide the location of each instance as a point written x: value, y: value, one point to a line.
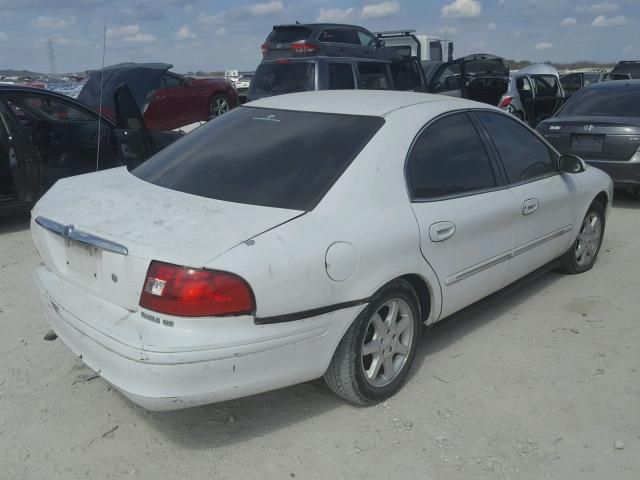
x: 387, y: 342
x: 588, y: 239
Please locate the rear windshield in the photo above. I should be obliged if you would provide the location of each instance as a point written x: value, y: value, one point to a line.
x: 622, y: 101
x: 276, y: 78
x: 259, y: 156
x: 288, y: 34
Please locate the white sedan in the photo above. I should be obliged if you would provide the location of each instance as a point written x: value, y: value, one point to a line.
x: 303, y: 236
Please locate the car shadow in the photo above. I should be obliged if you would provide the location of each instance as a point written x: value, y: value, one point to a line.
x: 442, y: 334
x: 14, y: 223
x: 234, y: 421
x: 626, y: 200
x: 227, y: 423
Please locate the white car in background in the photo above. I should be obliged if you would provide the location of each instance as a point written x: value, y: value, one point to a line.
x: 307, y: 235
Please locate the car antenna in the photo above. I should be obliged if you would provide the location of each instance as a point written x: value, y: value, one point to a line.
x: 104, y: 47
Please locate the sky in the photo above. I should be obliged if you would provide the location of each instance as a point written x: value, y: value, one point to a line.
x: 223, y: 34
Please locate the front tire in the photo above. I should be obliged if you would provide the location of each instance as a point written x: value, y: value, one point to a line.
x: 218, y: 105
x: 582, y: 254
x: 375, y: 355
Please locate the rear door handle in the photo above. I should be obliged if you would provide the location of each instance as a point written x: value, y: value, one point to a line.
x: 441, y: 231
x: 530, y: 206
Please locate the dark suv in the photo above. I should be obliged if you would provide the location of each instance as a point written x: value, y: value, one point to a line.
x: 632, y: 67
x: 325, y: 39
x: 276, y: 77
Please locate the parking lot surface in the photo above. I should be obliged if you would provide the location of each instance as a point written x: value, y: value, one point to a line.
x: 543, y: 383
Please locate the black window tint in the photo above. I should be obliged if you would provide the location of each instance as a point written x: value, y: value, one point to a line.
x: 406, y: 76
x: 373, y: 76
x: 340, y: 35
x: 447, y: 78
x: 619, y: 101
x: 449, y: 158
x: 284, y: 77
x: 523, y: 154
x: 288, y: 34
x: 590, y: 78
x: 170, y: 81
x: 341, y: 76
x: 546, y: 85
x: 435, y: 51
x: 571, y: 82
x: 259, y: 156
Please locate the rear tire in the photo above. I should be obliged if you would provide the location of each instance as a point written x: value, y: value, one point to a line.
x: 375, y: 355
x: 582, y: 254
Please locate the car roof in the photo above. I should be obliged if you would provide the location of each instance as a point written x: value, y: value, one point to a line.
x: 615, y: 84
x: 325, y: 58
x: 320, y: 25
x: 359, y: 102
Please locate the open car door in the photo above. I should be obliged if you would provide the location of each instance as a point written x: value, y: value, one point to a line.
x: 135, y: 142
x: 547, y: 98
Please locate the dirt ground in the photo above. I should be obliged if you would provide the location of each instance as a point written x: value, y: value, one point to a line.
x: 542, y: 384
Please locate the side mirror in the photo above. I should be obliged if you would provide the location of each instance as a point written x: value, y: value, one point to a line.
x: 570, y: 164
x: 380, y: 44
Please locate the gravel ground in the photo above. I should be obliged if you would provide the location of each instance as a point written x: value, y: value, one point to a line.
x: 541, y: 384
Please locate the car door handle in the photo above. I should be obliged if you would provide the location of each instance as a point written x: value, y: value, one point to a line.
x: 530, y: 206
x: 441, y: 231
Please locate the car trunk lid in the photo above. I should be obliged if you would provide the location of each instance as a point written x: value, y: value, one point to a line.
x: 149, y: 222
x: 610, y: 138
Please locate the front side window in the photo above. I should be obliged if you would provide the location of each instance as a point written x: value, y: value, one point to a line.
x: 373, y: 76
x: 32, y: 108
x: 366, y: 40
x: 448, y: 78
x: 341, y: 76
x: 571, y: 82
x: 448, y: 158
x: 259, y: 156
x: 590, y: 78
x: 523, y: 154
x: 277, y: 78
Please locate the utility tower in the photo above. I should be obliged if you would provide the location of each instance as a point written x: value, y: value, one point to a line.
x: 51, y: 53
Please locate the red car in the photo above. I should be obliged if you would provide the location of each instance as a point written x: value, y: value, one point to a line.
x: 166, y: 99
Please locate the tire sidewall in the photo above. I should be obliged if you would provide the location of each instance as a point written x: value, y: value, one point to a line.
x: 403, y: 291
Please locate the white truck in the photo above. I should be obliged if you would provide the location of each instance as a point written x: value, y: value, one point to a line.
x: 422, y: 45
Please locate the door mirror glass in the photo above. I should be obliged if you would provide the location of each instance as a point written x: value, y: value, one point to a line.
x: 570, y: 164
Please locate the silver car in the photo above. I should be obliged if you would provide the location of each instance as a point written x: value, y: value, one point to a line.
x: 534, y: 93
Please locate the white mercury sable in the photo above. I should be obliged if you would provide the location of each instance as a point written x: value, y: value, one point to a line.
x: 302, y: 236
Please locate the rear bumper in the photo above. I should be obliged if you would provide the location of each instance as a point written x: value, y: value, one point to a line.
x: 285, y: 355
x: 623, y: 173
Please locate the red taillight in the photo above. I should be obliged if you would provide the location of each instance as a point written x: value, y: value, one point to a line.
x: 505, y: 102
x: 265, y: 48
x: 189, y: 292
x: 303, y: 47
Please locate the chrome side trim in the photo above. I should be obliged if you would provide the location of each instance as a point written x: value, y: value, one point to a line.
x: 69, y: 232
x: 539, y: 241
x: 492, y: 262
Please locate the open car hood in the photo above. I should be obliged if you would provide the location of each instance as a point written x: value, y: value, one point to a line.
x: 142, y: 80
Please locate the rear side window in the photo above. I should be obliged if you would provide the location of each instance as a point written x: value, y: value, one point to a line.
x: 258, y: 156
x: 341, y: 76
x: 288, y: 34
x: 406, y: 76
x: 621, y: 101
x: 276, y: 78
x: 366, y: 40
x: 339, y: 35
x: 448, y: 158
x: 373, y: 76
x: 546, y: 86
x: 523, y: 154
